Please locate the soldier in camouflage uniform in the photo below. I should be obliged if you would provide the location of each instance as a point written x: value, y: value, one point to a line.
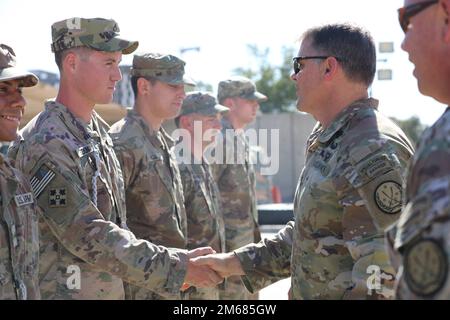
x: 350, y: 188
x: 205, y: 226
x: 86, y: 249
x: 235, y: 175
x: 154, y: 193
x: 19, y: 240
x: 420, y: 242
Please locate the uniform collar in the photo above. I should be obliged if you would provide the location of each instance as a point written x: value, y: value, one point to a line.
x: 344, y: 117
x: 76, y: 126
x: 157, y: 138
x: 7, y: 169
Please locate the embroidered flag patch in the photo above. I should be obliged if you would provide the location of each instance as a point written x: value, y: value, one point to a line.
x: 41, y: 179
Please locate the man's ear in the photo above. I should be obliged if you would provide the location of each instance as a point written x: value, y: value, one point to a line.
x: 229, y: 102
x: 330, y: 68
x: 70, y: 61
x: 185, y: 122
x: 143, y: 86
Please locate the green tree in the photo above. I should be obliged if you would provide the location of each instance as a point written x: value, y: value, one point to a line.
x: 274, y: 81
x: 412, y: 127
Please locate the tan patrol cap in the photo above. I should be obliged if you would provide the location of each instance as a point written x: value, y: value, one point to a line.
x: 96, y: 33
x: 9, y: 71
x: 202, y: 103
x: 163, y: 67
x: 241, y: 87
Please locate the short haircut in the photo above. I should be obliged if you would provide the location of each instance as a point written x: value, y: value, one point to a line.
x: 83, y: 52
x: 134, y: 80
x: 353, y: 45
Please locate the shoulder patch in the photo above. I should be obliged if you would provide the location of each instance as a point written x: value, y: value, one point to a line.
x: 377, y: 166
x: 57, y: 197
x: 43, y: 176
x: 388, y: 197
x: 426, y: 267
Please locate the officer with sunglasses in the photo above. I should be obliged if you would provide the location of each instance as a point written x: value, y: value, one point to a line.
x: 420, y: 242
x: 350, y: 189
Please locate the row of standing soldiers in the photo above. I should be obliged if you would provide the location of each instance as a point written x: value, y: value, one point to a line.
x: 96, y: 191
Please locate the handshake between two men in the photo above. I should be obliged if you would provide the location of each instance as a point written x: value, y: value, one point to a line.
x: 206, y: 268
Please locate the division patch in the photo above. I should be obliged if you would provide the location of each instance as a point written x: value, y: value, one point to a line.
x: 426, y: 267
x: 57, y: 197
x: 388, y: 197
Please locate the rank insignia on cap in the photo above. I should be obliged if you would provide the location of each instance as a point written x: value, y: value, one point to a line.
x: 426, y: 267
x: 388, y: 197
x: 41, y: 179
x: 57, y: 197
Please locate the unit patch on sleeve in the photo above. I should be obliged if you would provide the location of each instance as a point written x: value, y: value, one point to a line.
x: 57, y: 197
x: 426, y: 267
x: 388, y: 197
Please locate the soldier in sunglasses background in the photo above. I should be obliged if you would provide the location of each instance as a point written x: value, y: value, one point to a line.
x: 350, y: 189
x: 420, y: 241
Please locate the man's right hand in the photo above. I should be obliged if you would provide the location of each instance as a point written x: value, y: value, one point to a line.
x: 200, y: 276
x: 225, y: 264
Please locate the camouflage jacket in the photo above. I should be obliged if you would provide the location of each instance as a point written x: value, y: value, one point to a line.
x: 420, y: 241
x: 153, y: 189
x: 77, y: 181
x: 348, y: 193
x: 235, y: 178
x: 204, y: 217
x: 202, y: 201
x: 19, y: 237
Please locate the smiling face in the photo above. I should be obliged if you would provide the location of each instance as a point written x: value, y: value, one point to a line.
x: 12, y: 106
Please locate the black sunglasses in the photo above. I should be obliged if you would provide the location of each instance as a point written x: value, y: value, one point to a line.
x: 406, y: 13
x: 297, y: 60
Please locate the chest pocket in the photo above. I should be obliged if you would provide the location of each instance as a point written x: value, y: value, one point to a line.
x: 20, y: 233
x: 202, y: 191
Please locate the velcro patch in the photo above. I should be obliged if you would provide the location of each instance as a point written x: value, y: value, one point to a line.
x: 388, y: 197
x: 24, y: 199
x: 41, y: 179
x: 57, y: 197
x: 377, y: 166
x: 82, y: 151
x: 426, y: 267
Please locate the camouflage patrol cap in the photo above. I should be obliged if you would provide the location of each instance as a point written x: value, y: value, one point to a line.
x: 96, y: 33
x: 239, y: 87
x: 9, y: 71
x: 163, y: 67
x: 201, y: 102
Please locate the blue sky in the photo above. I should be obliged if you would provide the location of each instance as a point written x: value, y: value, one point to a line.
x: 222, y: 29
